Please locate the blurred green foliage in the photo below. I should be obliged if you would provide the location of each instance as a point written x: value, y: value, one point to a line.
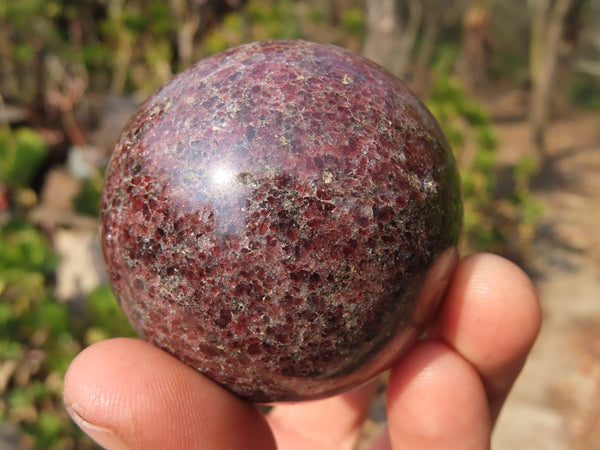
x: 132, y: 46
x: 285, y: 19
x: 87, y: 200
x: 37, y: 337
x: 492, y: 222
x: 40, y: 336
x: 584, y: 91
x: 21, y: 153
x: 104, y: 318
x: 24, y: 255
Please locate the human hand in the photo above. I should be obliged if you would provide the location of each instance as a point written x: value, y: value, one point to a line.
x: 446, y: 393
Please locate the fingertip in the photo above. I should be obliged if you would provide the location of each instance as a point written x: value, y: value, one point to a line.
x: 484, y: 279
x: 491, y: 300
x: 127, y: 393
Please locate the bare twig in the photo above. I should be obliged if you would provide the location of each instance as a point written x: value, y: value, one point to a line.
x: 588, y: 67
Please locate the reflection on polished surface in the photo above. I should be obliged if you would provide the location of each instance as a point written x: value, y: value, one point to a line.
x: 222, y: 176
x: 435, y: 285
x: 282, y: 217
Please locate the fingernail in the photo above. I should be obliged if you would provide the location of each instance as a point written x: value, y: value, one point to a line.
x: 103, y: 436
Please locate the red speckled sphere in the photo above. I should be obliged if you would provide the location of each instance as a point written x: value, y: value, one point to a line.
x: 283, y: 217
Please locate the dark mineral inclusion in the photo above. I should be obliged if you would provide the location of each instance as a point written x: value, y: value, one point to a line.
x: 283, y: 217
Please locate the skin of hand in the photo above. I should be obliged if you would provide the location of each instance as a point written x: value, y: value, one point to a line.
x: 446, y: 393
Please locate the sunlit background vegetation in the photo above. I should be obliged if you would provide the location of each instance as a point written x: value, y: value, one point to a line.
x: 72, y: 71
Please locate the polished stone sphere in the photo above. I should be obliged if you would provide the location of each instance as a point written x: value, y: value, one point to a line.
x: 282, y: 216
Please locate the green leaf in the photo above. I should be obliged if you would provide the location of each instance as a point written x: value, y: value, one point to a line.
x: 353, y: 20
x: 24, y: 247
x: 87, y: 200
x: 104, y: 313
x: 21, y: 154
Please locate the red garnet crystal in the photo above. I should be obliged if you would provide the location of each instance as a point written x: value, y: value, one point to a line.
x: 283, y: 217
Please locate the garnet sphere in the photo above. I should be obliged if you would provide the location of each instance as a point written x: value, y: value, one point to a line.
x: 283, y: 217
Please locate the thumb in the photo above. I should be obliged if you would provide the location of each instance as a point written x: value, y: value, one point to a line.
x: 126, y: 393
